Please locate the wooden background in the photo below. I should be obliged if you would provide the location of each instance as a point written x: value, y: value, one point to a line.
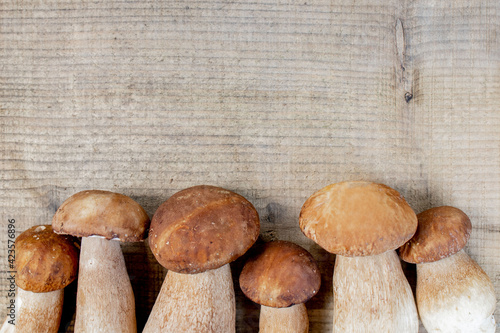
x: 270, y: 99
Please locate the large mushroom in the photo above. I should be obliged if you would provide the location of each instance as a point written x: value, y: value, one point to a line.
x: 195, y: 234
x: 453, y: 293
x: 105, y: 299
x: 281, y: 278
x: 45, y: 264
x: 363, y: 223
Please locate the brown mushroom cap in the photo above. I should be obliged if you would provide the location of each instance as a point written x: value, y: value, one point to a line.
x: 45, y: 261
x: 202, y: 227
x: 101, y: 213
x: 442, y: 231
x: 281, y: 275
x: 357, y: 218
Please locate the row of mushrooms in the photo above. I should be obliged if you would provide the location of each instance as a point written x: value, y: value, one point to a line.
x: 199, y: 231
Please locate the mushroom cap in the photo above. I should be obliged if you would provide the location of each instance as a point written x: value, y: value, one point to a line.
x: 102, y: 213
x: 442, y: 231
x: 357, y: 218
x: 202, y: 227
x: 281, y: 275
x: 45, y: 261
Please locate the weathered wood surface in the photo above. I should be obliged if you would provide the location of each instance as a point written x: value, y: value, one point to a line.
x: 273, y: 100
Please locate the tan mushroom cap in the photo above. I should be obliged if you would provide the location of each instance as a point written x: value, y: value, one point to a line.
x: 45, y: 261
x: 202, y: 227
x: 102, y: 213
x: 442, y: 231
x: 357, y: 218
x: 281, y: 275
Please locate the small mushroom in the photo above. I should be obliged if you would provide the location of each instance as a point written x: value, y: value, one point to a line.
x: 105, y: 299
x: 45, y: 264
x: 281, y: 278
x: 363, y: 223
x: 453, y: 293
x: 195, y: 234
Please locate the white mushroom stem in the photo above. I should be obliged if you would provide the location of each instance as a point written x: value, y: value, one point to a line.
x: 35, y: 312
x: 105, y: 300
x: 292, y: 319
x: 372, y: 294
x: 8, y: 326
x: 202, y: 302
x: 455, y: 295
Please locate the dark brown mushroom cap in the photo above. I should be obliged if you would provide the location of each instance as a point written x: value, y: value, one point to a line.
x: 357, y: 218
x: 102, y: 213
x: 281, y: 275
x: 45, y: 261
x: 201, y: 228
x: 442, y: 231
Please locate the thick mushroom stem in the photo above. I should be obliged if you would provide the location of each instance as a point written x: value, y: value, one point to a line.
x: 292, y: 319
x: 455, y: 295
x: 372, y: 294
x: 202, y: 302
x: 36, y: 312
x: 7, y: 327
x: 105, y: 299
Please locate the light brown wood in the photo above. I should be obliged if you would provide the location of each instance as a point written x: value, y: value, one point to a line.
x: 272, y: 100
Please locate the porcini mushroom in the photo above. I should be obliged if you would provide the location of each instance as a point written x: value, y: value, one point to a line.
x: 105, y: 299
x: 363, y: 223
x: 45, y: 264
x: 195, y: 234
x: 453, y: 293
x: 281, y: 278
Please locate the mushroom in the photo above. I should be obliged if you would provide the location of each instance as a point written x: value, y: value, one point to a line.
x: 45, y: 264
x: 453, y: 293
x: 105, y: 299
x: 281, y: 278
x: 195, y: 234
x: 363, y: 223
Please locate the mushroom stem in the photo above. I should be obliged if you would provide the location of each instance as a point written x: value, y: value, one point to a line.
x: 455, y: 295
x: 292, y: 319
x: 36, y: 312
x: 7, y: 327
x: 202, y: 302
x: 372, y: 294
x: 105, y: 299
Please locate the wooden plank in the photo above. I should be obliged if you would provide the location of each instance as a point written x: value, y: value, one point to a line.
x: 455, y: 56
x: 273, y: 100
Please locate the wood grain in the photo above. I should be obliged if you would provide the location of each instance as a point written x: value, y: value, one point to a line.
x: 272, y: 100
